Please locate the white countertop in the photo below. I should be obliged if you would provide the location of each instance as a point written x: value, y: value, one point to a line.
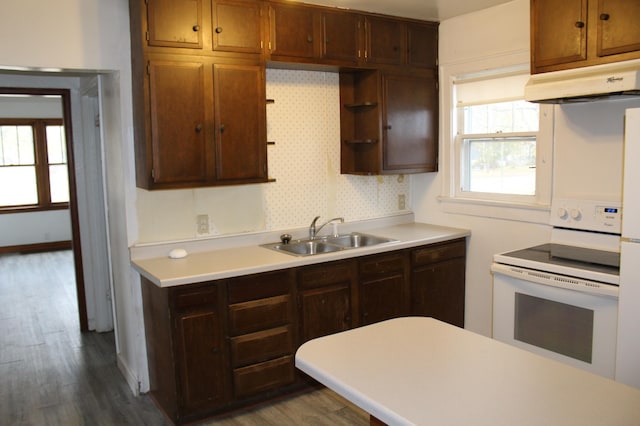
x: 420, y: 371
x: 249, y: 259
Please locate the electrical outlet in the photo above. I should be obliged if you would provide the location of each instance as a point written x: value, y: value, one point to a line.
x: 401, y: 202
x: 202, y: 220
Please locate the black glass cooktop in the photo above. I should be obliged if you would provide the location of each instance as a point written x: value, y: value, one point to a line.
x: 573, y: 257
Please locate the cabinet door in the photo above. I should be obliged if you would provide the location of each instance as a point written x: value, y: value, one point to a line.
x: 340, y: 36
x: 240, y: 123
x: 237, y: 26
x: 200, y: 360
x: 559, y: 32
x: 422, y: 45
x: 177, y: 122
x: 385, y: 41
x: 324, y: 310
x: 381, y: 299
x: 410, y: 138
x: 175, y: 23
x: 437, y: 291
x: 618, y: 26
x: 292, y: 30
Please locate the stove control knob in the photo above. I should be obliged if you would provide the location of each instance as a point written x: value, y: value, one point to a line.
x: 576, y: 214
x: 562, y: 213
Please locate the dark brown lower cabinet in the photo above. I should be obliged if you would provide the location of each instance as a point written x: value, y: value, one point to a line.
x: 325, y: 298
x: 383, y: 287
x: 201, y: 366
x: 186, y: 350
x: 438, y: 282
x: 221, y: 345
x: 261, y: 332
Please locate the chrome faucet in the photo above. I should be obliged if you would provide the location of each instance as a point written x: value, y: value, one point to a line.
x: 313, y: 230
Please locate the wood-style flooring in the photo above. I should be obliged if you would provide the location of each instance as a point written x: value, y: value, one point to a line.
x: 51, y: 374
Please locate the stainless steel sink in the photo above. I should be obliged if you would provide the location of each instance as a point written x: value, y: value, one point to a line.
x: 356, y: 239
x: 304, y: 248
x: 328, y: 244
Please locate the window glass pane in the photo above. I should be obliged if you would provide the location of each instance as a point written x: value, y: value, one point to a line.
x: 56, y: 148
x: 59, y: 183
x: 16, y: 145
x: 502, y: 117
x: 18, y: 186
x: 503, y: 166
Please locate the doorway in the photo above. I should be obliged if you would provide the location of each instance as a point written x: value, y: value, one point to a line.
x: 88, y: 228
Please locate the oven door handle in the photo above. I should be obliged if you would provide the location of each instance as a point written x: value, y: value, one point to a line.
x: 555, y: 280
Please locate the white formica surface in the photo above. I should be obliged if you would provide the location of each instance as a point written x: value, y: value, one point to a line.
x: 249, y: 259
x: 420, y: 371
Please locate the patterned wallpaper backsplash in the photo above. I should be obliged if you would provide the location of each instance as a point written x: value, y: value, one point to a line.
x: 304, y: 123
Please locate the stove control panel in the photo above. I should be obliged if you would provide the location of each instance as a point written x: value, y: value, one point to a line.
x: 587, y: 215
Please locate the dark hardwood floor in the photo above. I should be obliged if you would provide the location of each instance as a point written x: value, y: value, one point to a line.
x: 51, y: 374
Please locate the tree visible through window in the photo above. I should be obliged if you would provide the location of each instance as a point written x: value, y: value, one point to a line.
x: 33, y: 164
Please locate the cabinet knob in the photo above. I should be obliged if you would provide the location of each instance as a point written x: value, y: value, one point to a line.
x: 388, y: 127
x: 218, y: 30
x: 198, y: 128
x: 222, y: 128
x: 309, y: 39
x: 604, y: 16
x: 196, y: 28
x: 579, y: 24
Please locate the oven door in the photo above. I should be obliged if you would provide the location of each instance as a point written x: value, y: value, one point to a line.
x: 572, y: 326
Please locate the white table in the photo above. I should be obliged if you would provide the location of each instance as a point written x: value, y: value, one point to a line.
x: 421, y: 371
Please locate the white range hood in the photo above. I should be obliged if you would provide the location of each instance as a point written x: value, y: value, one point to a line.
x: 585, y: 84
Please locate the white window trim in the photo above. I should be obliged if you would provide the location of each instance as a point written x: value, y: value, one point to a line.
x: 511, y: 207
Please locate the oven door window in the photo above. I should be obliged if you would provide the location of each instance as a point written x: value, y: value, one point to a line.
x: 555, y: 326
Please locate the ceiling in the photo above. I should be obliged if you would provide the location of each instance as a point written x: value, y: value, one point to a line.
x: 428, y: 10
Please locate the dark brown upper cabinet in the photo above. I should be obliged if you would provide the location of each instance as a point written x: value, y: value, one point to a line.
x: 388, y: 122
x: 175, y: 23
x: 293, y: 31
x: 340, y: 38
x: 313, y: 35
x: 578, y: 33
x: 212, y: 27
x: 422, y: 45
x: 199, y: 89
x: 386, y: 41
x: 240, y: 123
x: 206, y: 124
x: 176, y: 151
x: 238, y: 26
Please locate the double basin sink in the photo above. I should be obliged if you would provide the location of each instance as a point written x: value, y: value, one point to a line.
x: 328, y: 244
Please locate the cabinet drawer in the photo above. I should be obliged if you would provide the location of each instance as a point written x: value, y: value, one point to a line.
x: 261, y: 346
x: 382, y: 264
x: 260, y: 314
x: 328, y: 273
x: 439, y: 252
x: 264, y: 376
x: 260, y: 286
x: 193, y: 298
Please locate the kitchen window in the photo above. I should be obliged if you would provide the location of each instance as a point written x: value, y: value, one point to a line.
x: 496, y: 140
x: 33, y: 165
x: 496, y: 147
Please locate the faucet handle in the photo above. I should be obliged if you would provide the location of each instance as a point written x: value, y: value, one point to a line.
x: 285, y: 238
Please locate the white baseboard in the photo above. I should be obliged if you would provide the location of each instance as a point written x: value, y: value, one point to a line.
x: 129, y: 377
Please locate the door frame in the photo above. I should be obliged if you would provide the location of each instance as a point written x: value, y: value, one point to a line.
x: 65, y: 98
